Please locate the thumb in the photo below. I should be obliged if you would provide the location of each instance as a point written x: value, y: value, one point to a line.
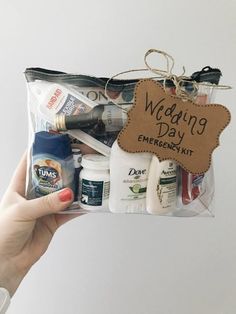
x: 49, y: 204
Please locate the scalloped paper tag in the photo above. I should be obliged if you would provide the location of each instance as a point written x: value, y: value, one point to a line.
x: 172, y: 128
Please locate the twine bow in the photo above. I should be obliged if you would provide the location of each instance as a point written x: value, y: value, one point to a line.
x: 167, y: 75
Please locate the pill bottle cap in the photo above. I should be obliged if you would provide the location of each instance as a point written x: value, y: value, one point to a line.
x: 51, y: 143
x: 95, y: 162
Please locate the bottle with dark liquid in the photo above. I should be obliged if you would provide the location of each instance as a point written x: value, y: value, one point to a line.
x: 103, y: 118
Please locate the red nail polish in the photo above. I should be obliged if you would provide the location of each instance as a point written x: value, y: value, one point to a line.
x: 65, y: 195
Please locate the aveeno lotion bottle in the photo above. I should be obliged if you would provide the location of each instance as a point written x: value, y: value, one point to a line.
x: 161, y: 187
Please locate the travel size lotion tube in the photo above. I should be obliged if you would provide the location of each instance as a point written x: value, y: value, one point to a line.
x: 161, y: 187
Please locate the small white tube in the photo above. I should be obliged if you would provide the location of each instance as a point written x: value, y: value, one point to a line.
x: 161, y: 187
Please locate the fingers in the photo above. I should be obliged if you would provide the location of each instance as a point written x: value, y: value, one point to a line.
x: 46, y: 205
x: 17, y: 183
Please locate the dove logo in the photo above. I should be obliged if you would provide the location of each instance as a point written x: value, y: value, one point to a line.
x: 134, y: 172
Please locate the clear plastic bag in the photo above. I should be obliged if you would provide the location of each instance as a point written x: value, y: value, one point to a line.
x: 72, y: 119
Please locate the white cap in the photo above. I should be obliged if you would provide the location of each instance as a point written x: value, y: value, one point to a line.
x: 77, y: 156
x: 95, y: 162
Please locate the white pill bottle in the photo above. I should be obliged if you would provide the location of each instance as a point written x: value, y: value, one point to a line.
x: 94, y: 182
x: 128, y: 180
x: 162, y: 187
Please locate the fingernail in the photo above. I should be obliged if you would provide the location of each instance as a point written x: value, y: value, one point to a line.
x: 65, y: 195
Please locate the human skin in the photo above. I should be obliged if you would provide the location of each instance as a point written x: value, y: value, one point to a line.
x: 27, y: 227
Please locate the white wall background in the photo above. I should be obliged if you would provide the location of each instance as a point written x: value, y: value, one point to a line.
x: 113, y: 264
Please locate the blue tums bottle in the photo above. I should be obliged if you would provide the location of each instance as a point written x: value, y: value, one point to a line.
x: 52, y: 163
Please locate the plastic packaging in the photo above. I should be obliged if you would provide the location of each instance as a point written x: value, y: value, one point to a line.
x: 77, y: 105
x: 59, y: 104
x: 193, y: 186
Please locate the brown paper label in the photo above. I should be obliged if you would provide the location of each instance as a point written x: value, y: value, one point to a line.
x: 172, y: 128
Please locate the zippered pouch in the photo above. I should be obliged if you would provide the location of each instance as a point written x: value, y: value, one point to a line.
x: 74, y: 121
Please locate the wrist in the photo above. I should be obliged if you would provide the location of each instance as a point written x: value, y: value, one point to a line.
x: 10, y: 277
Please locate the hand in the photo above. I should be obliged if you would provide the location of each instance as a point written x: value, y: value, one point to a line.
x: 27, y: 227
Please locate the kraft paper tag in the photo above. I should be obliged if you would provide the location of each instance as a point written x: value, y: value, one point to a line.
x: 172, y: 128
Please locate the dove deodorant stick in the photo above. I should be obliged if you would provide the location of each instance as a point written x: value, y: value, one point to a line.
x: 129, y: 177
